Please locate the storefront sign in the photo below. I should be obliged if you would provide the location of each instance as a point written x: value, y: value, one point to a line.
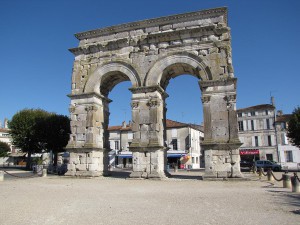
x: 249, y: 152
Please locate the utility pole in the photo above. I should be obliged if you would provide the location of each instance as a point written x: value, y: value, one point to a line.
x: 275, y: 129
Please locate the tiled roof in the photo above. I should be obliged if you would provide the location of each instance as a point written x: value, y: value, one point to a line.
x: 175, y: 124
x: 257, y: 107
x: 283, y: 118
x: 4, y: 130
x: 115, y: 128
x: 169, y: 124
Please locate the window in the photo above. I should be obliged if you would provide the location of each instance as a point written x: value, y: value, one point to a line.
x: 174, y: 144
x: 268, y: 124
x: 174, y: 133
x: 241, y: 126
x: 116, y: 145
x: 269, y: 140
x: 267, y: 112
x: 256, y: 141
x: 252, y: 113
x: 193, y: 160
x: 283, y: 139
x: 269, y: 157
x: 283, y: 125
x: 240, y: 114
x: 288, y: 156
x: 130, y: 136
x: 252, y: 124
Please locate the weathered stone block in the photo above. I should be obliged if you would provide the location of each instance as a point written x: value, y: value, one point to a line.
x: 71, y: 167
x: 81, y: 167
x: 152, y: 29
x: 166, y: 27
x: 94, y: 167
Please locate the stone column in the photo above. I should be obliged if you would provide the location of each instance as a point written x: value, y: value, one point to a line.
x: 147, y: 125
x: 87, y: 146
x: 221, y: 140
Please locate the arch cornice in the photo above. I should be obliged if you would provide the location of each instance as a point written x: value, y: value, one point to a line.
x: 94, y: 81
x: 155, y: 73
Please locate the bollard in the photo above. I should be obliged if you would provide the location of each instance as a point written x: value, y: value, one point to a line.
x: 286, y: 178
x: 260, y: 173
x: 175, y: 168
x: 1, y: 176
x: 270, y: 177
x: 254, y: 169
x: 295, y: 183
x: 44, y: 173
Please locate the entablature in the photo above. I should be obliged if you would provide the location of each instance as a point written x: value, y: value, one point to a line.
x: 205, y: 16
x: 168, y: 39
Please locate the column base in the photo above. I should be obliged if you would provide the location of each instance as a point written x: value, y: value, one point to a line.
x: 86, y: 173
x: 145, y: 175
x: 222, y: 175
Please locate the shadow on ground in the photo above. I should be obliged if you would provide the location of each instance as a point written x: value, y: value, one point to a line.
x: 180, y: 174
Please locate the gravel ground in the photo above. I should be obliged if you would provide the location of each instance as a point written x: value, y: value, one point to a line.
x: 115, y: 200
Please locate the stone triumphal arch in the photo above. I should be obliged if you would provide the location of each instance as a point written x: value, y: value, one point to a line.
x: 148, y: 54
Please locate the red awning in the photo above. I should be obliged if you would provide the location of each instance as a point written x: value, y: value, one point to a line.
x: 249, y: 151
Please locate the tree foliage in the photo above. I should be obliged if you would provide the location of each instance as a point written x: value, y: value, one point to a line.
x: 54, y: 132
x: 34, y: 130
x: 23, y: 129
x: 4, y: 149
x: 24, y: 133
x: 294, y: 127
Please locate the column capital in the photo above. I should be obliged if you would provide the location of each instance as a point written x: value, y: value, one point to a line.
x: 148, y: 89
x: 89, y: 95
x: 204, y: 85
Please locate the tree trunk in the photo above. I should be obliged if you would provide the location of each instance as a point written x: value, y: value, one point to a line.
x: 28, y: 161
x: 55, y: 158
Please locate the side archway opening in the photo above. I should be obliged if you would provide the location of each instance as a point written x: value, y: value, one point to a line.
x: 183, y: 131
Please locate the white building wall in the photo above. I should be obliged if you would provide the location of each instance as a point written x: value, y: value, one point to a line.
x: 259, y: 118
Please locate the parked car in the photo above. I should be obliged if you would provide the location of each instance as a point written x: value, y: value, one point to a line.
x: 245, y: 163
x: 267, y: 164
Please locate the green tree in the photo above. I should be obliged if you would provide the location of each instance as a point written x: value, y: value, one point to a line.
x: 293, y: 130
x: 54, y: 132
x: 4, y: 149
x: 23, y: 129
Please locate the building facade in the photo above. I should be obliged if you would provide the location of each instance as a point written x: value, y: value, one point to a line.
x: 257, y: 133
x: 182, y: 140
x: 5, y: 136
x: 289, y: 155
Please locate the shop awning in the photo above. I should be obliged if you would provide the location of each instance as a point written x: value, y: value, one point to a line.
x: 125, y: 156
x: 175, y: 155
x: 17, y: 154
x: 249, y: 151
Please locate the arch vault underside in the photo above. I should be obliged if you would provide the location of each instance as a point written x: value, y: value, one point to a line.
x: 148, y: 53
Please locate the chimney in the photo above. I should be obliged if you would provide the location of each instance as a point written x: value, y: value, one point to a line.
x: 273, y: 101
x: 124, y: 124
x: 279, y: 113
x: 6, y: 123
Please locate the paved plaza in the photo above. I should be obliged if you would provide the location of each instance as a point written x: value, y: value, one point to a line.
x: 182, y: 199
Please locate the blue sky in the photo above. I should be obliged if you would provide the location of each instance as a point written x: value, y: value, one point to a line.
x: 36, y: 66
